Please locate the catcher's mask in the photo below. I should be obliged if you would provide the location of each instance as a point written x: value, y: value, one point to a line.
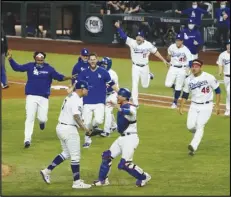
x: 106, y: 63
x: 124, y: 92
x: 39, y: 58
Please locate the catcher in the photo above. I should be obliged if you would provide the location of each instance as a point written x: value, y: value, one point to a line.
x: 67, y: 131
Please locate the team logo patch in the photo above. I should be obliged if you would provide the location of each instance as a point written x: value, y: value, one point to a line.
x: 35, y: 72
x: 99, y: 76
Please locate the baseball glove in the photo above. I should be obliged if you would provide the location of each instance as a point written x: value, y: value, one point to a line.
x: 94, y: 132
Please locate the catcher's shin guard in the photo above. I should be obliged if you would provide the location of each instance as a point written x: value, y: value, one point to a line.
x: 132, y: 169
x: 105, y: 165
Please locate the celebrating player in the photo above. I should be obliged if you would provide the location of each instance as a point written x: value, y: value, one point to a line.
x: 109, y: 122
x: 125, y: 144
x: 67, y: 132
x: 201, y: 85
x: 98, y: 79
x: 140, y: 51
x: 224, y: 66
x: 40, y: 75
x: 180, y: 60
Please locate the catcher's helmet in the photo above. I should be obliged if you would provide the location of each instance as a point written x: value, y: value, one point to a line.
x: 81, y: 84
x: 107, y: 63
x: 39, y: 54
x: 124, y: 92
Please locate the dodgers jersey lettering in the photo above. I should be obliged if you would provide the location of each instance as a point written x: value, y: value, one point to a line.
x: 140, y: 53
x: 72, y: 105
x: 179, y: 56
x: 114, y: 77
x: 97, y: 81
x: 224, y: 60
x: 38, y: 79
x: 201, y: 87
x: 123, y: 121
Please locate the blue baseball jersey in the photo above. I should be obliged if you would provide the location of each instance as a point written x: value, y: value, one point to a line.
x: 97, y: 81
x: 196, y: 14
x: 38, y: 79
x: 79, y: 67
x: 123, y: 121
x: 219, y: 16
x: 189, y: 37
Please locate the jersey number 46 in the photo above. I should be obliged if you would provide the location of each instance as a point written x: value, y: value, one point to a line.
x: 205, y: 90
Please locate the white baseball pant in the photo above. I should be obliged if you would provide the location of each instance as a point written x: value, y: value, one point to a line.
x: 198, y: 116
x: 88, y: 111
x: 137, y: 74
x: 109, y: 121
x: 227, y: 87
x: 175, y: 76
x: 35, y: 104
x: 70, y: 141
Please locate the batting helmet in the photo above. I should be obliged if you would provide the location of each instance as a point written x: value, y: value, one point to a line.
x: 81, y: 84
x: 106, y: 62
x: 124, y: 92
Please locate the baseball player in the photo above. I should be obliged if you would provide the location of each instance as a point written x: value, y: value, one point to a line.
x: 192, y: 38
x: 109, y: 122
x: 224, y: 66
x: 82, y: 63
x: 180, y: 60
x: 201, y: 84
x: 39, y: 78
x: 140, y: 51
x: 67, y: 132
x: 125, y: 144
x: 94, y: 103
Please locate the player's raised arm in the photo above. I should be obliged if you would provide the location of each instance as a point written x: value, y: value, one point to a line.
x: 16, y: 67
x: 216, y: 87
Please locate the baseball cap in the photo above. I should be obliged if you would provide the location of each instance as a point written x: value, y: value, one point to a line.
x: 191, y: 21
x: 84, y: 52
x: 179, y: 37
x: 197, y: 62
x: 81, y: 84
x: 140, y: 33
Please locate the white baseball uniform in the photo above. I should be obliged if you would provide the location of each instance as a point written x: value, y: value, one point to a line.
x: 109, y: 121
x: 201, y: 107
x: 180, y: 58
x: 224, y: 61
x: 140, y: 68
x: 67, y: 130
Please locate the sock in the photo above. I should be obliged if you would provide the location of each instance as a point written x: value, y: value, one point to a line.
x: 58, y: 160
x: 75, y: 170
x: 176, y: 96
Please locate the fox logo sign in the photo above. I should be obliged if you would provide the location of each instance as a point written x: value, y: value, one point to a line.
x: 94, y: 24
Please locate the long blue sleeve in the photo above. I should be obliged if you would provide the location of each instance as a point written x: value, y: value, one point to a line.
x: 17, y: 67
x: 199, y: 38
x: 122, y: 33
x: 57, y: 76
x: 203, y: 11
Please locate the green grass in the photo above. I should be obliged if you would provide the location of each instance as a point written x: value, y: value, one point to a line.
x: 65, y: 63
x: 162, y: 151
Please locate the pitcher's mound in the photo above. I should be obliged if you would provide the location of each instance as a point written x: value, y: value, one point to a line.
x: 6, y: 170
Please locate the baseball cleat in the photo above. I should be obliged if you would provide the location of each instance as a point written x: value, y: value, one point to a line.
x: 174, y: 106
x: 141, y: 183
x: 27, y: 144
x: 86, y: 145
x: 151, y: 76
x: 79, y: 184
x: 227, y: 113
x: 45, y: 176
x: 191, y: 150
x: 113, y: 129
x: 42, y: 126
x: 101, y: 183
x: 5, y: 86
x: 104, y: 134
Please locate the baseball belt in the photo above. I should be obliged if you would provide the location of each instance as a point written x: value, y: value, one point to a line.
x: 140, y: 65
x: 68, y: 124
x: 178, y: 66
x: 207, y: 102
x: 227, y: 75
x: 129, y: 133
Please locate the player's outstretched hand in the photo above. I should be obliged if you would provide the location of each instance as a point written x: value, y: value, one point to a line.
x: 9, y: 54
x: 167, y: 64
x: 181, y: 110
x: 117, y: 24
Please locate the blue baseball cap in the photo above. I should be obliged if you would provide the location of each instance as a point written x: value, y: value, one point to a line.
x: 81, y: 84
x: 84, y: 52
x: 179, y: 37
x: 191, y: 21
x: 140, y: 33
